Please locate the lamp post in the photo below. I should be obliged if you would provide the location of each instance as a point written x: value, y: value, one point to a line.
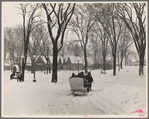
x: 34, y: 80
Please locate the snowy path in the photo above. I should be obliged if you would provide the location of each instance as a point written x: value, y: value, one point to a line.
x: 111, y: 95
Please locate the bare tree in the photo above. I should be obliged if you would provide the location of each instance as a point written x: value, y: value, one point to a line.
x: 45, y: 43
x: 111, y: 25
x: 9, y: 44
x: 18, y: 34
x: 136, y: 25
x: 13, y: 44
x: 59, y: 18
x: 30, y: 21
x: 36, y: 38
x: 124, y: 43
x: 103, y: 37
x: 82, y: 25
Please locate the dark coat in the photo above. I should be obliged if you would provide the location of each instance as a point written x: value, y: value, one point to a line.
x: 14, y: 69
x: 89, y: 78
x: 81, y: 75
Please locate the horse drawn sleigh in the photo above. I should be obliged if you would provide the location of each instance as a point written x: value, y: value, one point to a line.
x: 81, y: 83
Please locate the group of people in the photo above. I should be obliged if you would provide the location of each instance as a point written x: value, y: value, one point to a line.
x: 88, y: 79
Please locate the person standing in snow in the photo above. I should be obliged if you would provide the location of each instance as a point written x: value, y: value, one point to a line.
x: 90, y: 80
x: 16, y: 70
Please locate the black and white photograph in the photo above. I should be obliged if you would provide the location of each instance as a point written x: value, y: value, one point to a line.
x: 74, y: 59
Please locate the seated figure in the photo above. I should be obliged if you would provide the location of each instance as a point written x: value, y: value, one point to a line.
x: 73, y: 75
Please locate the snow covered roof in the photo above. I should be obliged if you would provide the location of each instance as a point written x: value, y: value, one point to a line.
x: 74, y: 59
x: 28, y: 61
x: 44, y: 59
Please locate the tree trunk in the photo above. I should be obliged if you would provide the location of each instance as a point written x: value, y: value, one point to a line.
x: 118, y: 63
x: 85, y: 58
x: 23, y: 67
x: 114, y: 64
x: 141, y: 64
x: 114, y: 47
x: 104, y: 61
x: 103, y: 52
x: 114, y: 59
x: 121, y: 63
x: 54, y: 70
x: 125, y: 60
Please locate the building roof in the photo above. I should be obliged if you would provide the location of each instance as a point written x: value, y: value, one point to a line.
x: 75, y: 60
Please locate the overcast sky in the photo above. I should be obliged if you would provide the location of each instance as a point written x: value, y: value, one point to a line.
x: 11, y: 16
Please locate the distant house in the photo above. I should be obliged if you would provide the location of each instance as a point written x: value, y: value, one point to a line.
x: 28, y: 64
x: 60, y: 63
x: 40, y: 63
x: 70, y: 63
x: 64, y: 63
x: 74, y: 63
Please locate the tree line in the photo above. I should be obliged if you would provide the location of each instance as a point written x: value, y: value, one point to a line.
x: 94, y: 28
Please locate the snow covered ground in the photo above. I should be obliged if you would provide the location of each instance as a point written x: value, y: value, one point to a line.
x: 118, y: 95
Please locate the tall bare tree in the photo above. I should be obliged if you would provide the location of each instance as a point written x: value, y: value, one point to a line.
x: 134, y: 16
x: 30, y: 21
x: 124, y: 43
x: 82, y: 25
x: 103, y: 37
x: 9, y: 44
x: 13, y: 43
x: 111, y: 25
x: 58, y: 17
x: 36, y: 38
